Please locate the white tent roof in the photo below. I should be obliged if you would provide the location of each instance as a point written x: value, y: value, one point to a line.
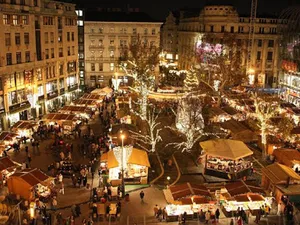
x: 103, y: 91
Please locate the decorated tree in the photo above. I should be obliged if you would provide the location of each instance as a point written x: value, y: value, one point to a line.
x: 152, y: 132
x: 189, y: 122
x: 191, y: 80
x: 139, y: 61
x: 265, y: 110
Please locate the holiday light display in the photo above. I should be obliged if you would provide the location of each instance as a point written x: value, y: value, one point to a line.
x: 191, y: 81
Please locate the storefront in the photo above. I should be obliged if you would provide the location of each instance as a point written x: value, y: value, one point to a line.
x: 20, y: 111
x: 136, y: 164
x: 226, y: 158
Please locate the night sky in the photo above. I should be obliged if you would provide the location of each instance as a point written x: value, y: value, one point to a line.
x: 158, y: 9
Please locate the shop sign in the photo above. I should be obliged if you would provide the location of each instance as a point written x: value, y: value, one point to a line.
x: 21, y: 105
x: 52, y: 94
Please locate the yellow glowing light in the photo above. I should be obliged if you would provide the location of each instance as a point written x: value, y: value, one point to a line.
x: 122, y: 136
x: 251, y: 71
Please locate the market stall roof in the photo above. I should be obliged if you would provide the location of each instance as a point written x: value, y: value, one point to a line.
x: 112, y: 161
x: 139, y: 157
x: 94, y: 97
x: 249, y: 197
x: 24, y: 124
x: 6, y: 163
x: 59, y: 116
x: 73, y: 108
x: 31, y: 176
x: 295, y: 130
x: 103, y: 91
x: 187, y: 189
x: 231, y: 111
x: 237, y: 188
x: 216, y: 111
x: 104, y: 157
x: 224, y: 148
x: 7, y: 136
x: 279, y: 173
x: 287, y: 157
x: 85, y: 102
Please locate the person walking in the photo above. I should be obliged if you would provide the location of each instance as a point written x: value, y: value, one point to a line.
x: 29, y: 158
x: 207, y: 217
x: 62, y: 188
x: 142, y: 195
x: 217, y: 215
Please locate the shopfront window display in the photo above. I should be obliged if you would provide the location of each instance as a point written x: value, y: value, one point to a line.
x: 15, y: 97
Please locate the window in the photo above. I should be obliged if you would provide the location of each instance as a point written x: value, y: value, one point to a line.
x: 134, y: 31
x: 68, y: 36
x: 100, y: 42
x: 100, y: 66
x: 38, y: 74
x: 7, y: 39
x: 15, y: 20
x: 241, y: 30
x: 61, y: 83
x: 73, y: 50
x: 93, y: 67
x: 100, y: 30
x: 259, y: 43
x: 61, y: 69
x: 40, y: 90
x: 25, y: 20
x: 258, y: 56
x: 79, y: 12
x: 35, y: 2
x: 52, y: 53
x: 270, y: 56
x: 123, y: 43
x: 60, y: 52
x: 72, y: 36
x: 232, y: 29
x: 152, y: 43
x: 17, y: 38
x: 271, y: 43
x: 112, y: 42
x: 46, y: 38
x: 92, y: 42
x: 146, y: 31
x: 79, y: 22
x: 47, y: 53
x: 69, y: 51
x: 111, y: 66
x: 6, y: 19
x: 19, y: 57
x: 48, y: 20
x: 261, y: 30
x: 222, y: 29
x: 8, y: 59
x: 26, y: 38
x: 112, y: 30
x: 100, y: 54
x: 81, y: 56
x: 27, y: 56
x: 60, y: 39
x: 52, y: 37
x: 153, y: 32
x: 112, y: 54
x: 211, y: 28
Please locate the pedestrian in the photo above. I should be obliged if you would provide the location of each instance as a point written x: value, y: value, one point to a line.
x: 62, y: 188
x: 53, y: 203
x: 73, y: 210
x: 60, y: 178
x: 155, y: 209
x: 231, y: 222
x: 78, y: 211
x: 207, y: 217
x: 59, y: 218
x: 142, y: 195
x: 29, y: 158
x: 26, y: 149
x: 74, y: 180
x: 217, y: 215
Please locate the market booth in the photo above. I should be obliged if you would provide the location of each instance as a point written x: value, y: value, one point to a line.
x: 30, y: 184
x: 85, y: 102
x: 67, y: 121
x: 82, y: 111
x: 136, y: 164
x: 7, y: 139
x: 24, y: 128
x: 281, y: 181
x: 288, y: 157
x: 226, y: 158
x: 189, y: 198
x: 7, y: 168
x: 103, y: 92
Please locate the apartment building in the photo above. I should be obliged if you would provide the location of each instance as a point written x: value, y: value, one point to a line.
x: 221, y: 20
x: 106, y: 33
x: 38, y: 58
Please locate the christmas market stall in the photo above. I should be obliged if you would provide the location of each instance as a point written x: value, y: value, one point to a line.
x: 103, y: 92
x: 282, y: 182
x: 86, y: 102
x: 226, y: 158
x: 7, y: 168
x: 67, y: 121
x: 288, y: 157
x: 7, y: 139
x: 240, y: 195
x: 135, y: 164
x: 82, y: 111
x: 95, y: 97
x: 30, y: 184
x: 189, y: 198
x: 25, y: 128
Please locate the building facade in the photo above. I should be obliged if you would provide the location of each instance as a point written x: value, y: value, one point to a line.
x: 80, y: 23
x: 222, y: 20
x: 105, y: 38
x: 38, y: 58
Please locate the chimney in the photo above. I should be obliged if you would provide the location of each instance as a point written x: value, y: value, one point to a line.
x: 288, y: 182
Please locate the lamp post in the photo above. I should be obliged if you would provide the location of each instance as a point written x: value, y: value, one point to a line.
x: 122, y: 165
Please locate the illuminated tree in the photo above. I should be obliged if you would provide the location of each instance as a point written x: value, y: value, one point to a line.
x: 265, y: 109
x: 139, y: 61
x: 191, y: 80
x: 152, y: 135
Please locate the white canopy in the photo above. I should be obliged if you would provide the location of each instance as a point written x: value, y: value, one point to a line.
x: 103, y: 91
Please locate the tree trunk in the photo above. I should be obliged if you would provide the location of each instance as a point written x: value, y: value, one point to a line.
x: 144, y: 102
x: 264, y: 143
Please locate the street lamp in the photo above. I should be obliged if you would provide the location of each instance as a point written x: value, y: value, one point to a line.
x: 122, y: 165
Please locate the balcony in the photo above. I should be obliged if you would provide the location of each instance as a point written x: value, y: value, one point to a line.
x: 73, y: 87
x: 52, y: 94
x: 95, y: 47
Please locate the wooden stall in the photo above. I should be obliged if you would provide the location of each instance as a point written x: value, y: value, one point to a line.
x: 226, y: 158
x: 24, y: 128
x: 288, y: 157
x: 82, y: 111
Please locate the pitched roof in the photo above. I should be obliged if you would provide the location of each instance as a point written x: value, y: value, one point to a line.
x: 287, y: 157
x: 186, y: 189
x: 118, y: 16
x: 31, y: 176
x: 6, y: 163
x: 279, y: 173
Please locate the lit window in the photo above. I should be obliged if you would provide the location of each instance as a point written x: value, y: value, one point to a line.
x: 80, y: 23
x: 112, y: 66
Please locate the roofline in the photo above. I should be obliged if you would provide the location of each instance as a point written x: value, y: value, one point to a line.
x: 85, y: 22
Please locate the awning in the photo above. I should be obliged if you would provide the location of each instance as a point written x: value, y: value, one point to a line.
x: 224, y: 148
x: 104, y: 157
x: 139, y: 157
x: 112, y: 162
